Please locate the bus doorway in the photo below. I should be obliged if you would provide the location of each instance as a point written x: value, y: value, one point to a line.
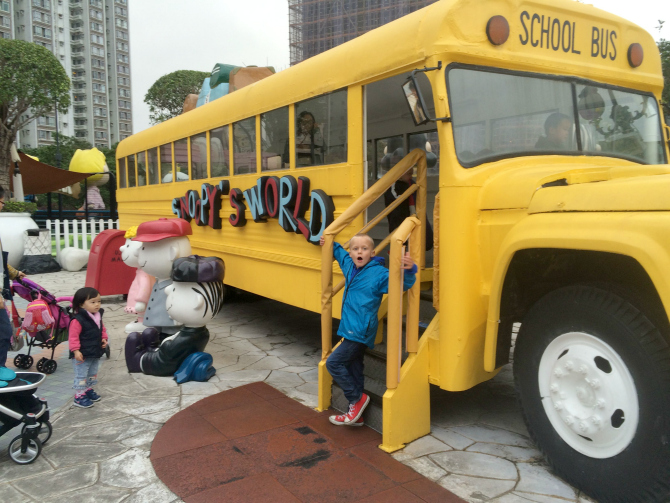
x: 390, y: 134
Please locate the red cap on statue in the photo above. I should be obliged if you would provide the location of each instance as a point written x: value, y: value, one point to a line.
x: 163, y: 228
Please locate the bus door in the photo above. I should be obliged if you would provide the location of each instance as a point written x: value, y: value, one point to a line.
x: 390, y: 133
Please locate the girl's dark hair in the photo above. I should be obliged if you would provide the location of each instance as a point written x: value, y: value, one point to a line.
x: 2, y: 192
x: 82, y: 295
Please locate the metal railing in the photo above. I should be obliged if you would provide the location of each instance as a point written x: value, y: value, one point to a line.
x: 411, y: 228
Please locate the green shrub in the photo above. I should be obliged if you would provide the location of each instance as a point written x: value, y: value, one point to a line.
x: 19, y: 207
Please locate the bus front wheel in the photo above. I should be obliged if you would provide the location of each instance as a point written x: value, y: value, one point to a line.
x: 593, y: 377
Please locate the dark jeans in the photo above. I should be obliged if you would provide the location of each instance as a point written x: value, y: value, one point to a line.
x: 345, y: 364
x: 6, y: 331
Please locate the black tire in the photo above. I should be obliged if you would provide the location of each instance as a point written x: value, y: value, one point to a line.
x: 50, y: 366
x: 40, y: 364
x: 27, y: 362
x: 24, y: 458
x: 598, y: 361
x: 18, y: 361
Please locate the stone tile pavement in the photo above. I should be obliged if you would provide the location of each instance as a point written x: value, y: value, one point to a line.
x: 478, y: 448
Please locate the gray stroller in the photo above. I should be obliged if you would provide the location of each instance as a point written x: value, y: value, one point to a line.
x: 18, y: 404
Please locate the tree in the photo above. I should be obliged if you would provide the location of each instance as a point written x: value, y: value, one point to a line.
x: 32, y: 84
x: 166, y: 96
x: 664, y: 49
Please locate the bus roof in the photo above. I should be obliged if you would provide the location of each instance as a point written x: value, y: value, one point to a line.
x: 558, y: 37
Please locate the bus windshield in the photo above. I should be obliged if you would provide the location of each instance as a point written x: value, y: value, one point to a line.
x: 500, y: 115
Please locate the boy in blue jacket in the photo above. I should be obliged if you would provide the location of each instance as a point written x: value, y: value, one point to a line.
x: 366, y: 280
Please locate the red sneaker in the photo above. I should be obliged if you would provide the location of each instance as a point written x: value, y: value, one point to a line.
x: 355, y: 413
x: 339, y: 421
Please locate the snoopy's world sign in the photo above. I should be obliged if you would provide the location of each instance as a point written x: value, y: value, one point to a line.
x: 285, y: 199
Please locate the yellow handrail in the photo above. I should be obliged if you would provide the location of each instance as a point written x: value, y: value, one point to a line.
x: 410, y: 228
x: 415, y: 157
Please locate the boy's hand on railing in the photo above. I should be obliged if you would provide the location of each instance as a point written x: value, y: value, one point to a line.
x: 407, y: 262
x: 322, y: 240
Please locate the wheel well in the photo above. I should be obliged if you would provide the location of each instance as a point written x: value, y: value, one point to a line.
x: 535, y: 272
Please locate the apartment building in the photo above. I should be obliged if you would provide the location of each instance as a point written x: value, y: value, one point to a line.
x: 318, y: 25
x: 91, y: 40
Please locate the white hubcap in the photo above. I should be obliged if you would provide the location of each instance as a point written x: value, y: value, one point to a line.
x: 588, y: 394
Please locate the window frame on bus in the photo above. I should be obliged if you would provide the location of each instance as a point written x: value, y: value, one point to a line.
x: 255, y: 143
x: 160, y: 162
x: 573, y: 81
x: 284, y: 165
x: 191, y: 139
x: 134, y: 163
x: 294, y: 126
x: 175, y: 176
x: 122, y: 171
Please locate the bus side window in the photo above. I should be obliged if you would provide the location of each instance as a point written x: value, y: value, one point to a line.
x: 321, y: 130
x: 274, y: 140
x: 122, y: 173
x: 141, y: 169
x: 244, y: 146
x: 131, y: 171
x: 199, y: 156
x: 181, y: 159
x: 166, y: 163
x: 218, y: 151
x: 152, y: 165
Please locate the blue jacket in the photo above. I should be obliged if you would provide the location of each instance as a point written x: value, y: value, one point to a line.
x: 363, y: 292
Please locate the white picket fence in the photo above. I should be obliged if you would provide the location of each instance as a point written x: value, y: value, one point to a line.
x: 77, y: 232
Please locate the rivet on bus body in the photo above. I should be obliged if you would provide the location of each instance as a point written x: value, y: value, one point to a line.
x: 497, y: 30
x: 635, y: 55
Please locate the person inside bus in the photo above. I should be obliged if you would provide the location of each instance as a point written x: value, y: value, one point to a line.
x: 309, y: 145
x: 557, y: 130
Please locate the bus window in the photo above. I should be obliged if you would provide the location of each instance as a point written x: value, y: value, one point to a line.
x: 274, y: 140
x: 122, y: 173
x: 244, y: 146
x: 500, y: 115
x: 141, y: 169
x: 166, y: 163
x: 218, y: 151
x: 321, y: 130
x: 181, y: 159
x: 131, y: 171
x: 619, y: 123
x: 152, y: 165
x: 199, y: 156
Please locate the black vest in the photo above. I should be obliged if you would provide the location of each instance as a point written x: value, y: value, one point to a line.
x: 90, y: 338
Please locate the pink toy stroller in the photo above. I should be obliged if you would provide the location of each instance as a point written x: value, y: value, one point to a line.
x: 61, y: 311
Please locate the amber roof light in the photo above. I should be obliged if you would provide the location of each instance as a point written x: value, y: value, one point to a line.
x: 635, y: 55
x: 497, y: 30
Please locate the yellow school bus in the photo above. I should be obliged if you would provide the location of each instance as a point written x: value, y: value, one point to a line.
x: 539, y: 131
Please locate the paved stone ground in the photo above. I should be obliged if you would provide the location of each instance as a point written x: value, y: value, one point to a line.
x: 479, y: 448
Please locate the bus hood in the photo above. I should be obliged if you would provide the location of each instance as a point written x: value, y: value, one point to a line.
x: 620, y: 188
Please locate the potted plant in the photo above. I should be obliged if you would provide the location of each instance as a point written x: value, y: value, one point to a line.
x: 14, y: 221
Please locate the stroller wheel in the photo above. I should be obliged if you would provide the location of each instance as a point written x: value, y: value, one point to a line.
x: 32, y: 450
x: 50, y: 366
x: 45, y: 432
x: 40, y: 364
x: 23, y: 361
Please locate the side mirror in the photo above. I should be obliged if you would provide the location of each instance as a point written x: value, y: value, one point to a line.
x: 417, y: 105
x: 415, y: 101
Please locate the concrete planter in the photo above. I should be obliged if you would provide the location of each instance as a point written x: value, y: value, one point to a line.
x: 12, y: 232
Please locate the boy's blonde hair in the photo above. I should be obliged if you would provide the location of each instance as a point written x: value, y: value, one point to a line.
x: 365, y: 236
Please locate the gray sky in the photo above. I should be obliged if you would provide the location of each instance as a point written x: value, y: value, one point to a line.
x: 169, y: 35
